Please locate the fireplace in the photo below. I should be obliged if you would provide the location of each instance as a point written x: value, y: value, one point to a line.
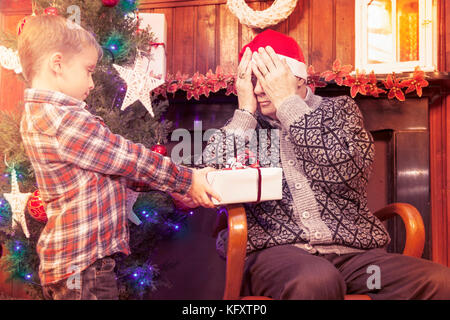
x: 401, y: 168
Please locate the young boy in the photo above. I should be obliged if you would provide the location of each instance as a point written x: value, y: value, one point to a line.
x: 82, y: 169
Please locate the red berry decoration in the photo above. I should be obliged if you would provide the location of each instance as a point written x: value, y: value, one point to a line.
x: 110, y: 3
x: 35, y: 207
x: 51, y: 11
x: 159, y: 148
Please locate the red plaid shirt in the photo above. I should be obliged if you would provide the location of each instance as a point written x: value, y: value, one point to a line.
x: 83, y: 171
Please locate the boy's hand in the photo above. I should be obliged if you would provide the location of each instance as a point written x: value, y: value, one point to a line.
x: 201, y: 191
x: 185, y: 200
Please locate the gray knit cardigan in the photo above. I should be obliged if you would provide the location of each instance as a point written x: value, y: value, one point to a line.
x: 326, y: 156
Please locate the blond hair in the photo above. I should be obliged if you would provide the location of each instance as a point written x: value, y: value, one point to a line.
x: 45, y: 34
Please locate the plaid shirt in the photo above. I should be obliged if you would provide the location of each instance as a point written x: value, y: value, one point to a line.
x: 83, y: 172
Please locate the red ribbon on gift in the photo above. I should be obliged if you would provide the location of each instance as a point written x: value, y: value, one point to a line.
x: 258, y: 199
x: 246, y: 156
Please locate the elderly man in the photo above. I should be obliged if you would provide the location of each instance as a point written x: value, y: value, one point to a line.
x: 320, y: 241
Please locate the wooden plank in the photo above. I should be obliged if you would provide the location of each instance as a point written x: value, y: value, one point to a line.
x: 168, y: 12
x: 182, y: 3
x: 206, y: 38
x: 15, y: 7
x: 11, y: 87
x: 322, y: 31
x: 228, y: 35
x: 345, y: 31
x: 444, y: 216
x: 183, y: 40
x: 247, y: 33
x: 438, y: 173
x: 446, y: 20
x: 298, y: 23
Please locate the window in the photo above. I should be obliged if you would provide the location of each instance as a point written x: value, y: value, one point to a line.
x: 395, y: 35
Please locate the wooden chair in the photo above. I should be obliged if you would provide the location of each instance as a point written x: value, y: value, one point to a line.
x: 237, y: 243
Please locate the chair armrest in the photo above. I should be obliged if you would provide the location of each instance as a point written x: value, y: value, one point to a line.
x: 415, y: 230
x: 236, y: 250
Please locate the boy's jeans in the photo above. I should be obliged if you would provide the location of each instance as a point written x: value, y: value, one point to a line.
x: 97, y: 282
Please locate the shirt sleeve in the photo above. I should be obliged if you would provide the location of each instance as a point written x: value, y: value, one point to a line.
x: 84, y: 141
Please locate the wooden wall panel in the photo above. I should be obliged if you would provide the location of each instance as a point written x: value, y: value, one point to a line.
x: 10, y: 85
x: 205, y: 57
x: 440, y: 150
x: 228, y: 39
x: 345, y: 31
x: 210, y: 35
x: 446, y: 32
x: 322, y: 28
x: 247, y: 33
x: 183, y: 39
x: 298, y: 26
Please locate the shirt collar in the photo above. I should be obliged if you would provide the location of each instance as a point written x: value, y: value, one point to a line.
x: 52, y: 97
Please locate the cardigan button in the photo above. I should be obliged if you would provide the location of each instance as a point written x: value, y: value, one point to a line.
x: 317, y: 235
x: 291, y: 162
x: 287, y: 138
x: 306, y: 215
x: 298, y: 186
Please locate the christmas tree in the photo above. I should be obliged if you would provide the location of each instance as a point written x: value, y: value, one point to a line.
x: 117, y: 29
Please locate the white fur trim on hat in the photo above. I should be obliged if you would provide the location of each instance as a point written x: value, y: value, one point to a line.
x: 298, y: 68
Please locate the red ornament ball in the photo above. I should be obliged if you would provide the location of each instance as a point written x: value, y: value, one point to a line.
x: 110, y: 3
x: 159, y: 148
x: 35, y: 207
x: 51, y: 11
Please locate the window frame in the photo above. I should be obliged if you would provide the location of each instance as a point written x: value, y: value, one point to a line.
x: 427, y: 40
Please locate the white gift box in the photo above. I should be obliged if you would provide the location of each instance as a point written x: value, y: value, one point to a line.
x: 241, y: 185
x: 158, y: 26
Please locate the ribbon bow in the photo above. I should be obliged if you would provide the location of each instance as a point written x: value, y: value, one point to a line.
x: 239, y: 163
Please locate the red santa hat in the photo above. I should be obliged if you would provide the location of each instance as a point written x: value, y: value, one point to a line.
x: 286, y: 48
